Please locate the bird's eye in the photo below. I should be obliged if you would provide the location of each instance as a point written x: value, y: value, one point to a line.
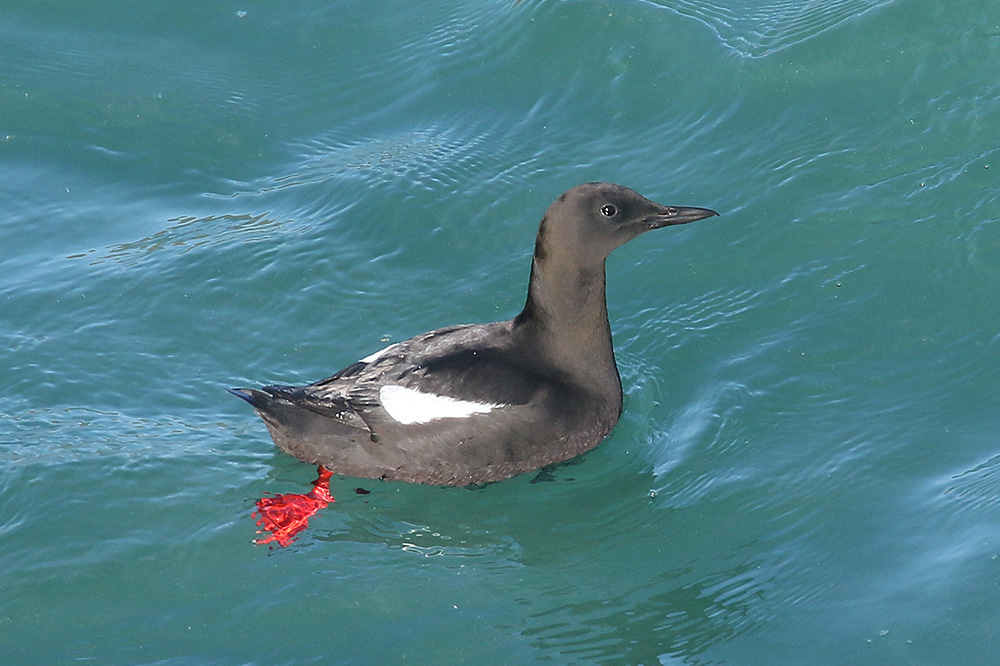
x: 607, y: 210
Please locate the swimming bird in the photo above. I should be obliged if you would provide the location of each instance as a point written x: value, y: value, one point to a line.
x: 479, y: 403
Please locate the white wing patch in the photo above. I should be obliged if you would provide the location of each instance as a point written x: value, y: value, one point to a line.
x: 377, y: 355
x: 408, y: 406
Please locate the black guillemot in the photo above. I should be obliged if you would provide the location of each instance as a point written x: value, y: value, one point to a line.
x: 480, y: 403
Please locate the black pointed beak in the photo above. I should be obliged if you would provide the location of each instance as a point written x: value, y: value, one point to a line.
x: 671, y: 215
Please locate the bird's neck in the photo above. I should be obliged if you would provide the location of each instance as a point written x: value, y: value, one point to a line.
x: 566, y: 315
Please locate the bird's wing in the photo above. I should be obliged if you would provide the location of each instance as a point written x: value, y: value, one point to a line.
x: 448, y: 372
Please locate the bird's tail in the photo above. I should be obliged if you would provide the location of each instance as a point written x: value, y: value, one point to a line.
x: 246, y: 394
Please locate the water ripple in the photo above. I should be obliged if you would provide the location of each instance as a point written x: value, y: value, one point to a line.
x: 757, y: 30
x: 976, y: 489
x: 711, y: 416
x: 55, y: 436
x: 417, y: 156
x: 677, y: 322
x: 187, y: 233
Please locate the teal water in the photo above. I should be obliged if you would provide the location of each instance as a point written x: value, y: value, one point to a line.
x: 234, y: 193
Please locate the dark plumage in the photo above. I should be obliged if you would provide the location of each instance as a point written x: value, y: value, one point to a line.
x: 483, y: 402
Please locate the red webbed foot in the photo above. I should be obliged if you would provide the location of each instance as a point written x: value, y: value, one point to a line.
x: 286, y: 515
